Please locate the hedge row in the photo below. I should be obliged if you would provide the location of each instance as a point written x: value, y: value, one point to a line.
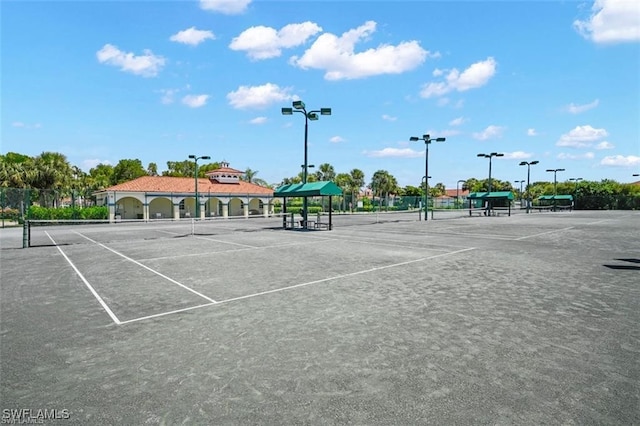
x: 68, y: 213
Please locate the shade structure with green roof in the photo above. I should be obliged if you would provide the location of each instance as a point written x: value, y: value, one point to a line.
x: 493, y: 199
x: 311, y: 189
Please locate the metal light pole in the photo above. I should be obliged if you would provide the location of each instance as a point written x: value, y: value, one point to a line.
x: 528, y: 164
x: 299, y: 106
x: 490, y: 156
x: 458, y: 192
x: 195, y: 160
x: 576, y: 180
x: 520, y: 182
x: 555, y: 185
x: 427, y: 140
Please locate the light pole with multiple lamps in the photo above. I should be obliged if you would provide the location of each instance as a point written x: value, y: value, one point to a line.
x: 458, y: 192
x: 427, y: 140
x: 555, y: 185
x: 528, y: 164
x: 490, y: 156
x: 299, y: 106
x: 576, y: 180
x: 195, y: 160
x: 520, y: 182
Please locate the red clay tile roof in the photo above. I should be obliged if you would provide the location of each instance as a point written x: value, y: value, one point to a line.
x: 187, y: 184
x: 452, y: 193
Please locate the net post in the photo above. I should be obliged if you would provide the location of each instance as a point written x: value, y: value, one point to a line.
x: 193, y: 226
x: 26, y: 234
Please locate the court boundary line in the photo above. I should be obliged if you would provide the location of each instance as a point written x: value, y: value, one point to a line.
x: 104, y: 305
x: 148, y: 268
x: 300, y: 285
x: 544, y: 233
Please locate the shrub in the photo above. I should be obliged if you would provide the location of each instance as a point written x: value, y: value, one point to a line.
x: 68, y: 213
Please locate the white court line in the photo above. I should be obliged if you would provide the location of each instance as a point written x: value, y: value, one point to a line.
x: 148, y: 269
x: 209, y: 253
x: 543, y: 233
x: 213, y: 239
x: 276, y: 290
x: 351, y: 274
x: 226, y: 242
x: 84, y: 280
x: 162, y: 314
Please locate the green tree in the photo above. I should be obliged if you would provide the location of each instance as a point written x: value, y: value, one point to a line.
x: 412, y: 191
x: 383, y: 183
x: 356, y: 184
x: 249, y: 175
x: 325, y: 172
x: 152, y: 169
x: 128, y: 169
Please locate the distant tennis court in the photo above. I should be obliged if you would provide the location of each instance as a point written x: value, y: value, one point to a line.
x: 525, y: 319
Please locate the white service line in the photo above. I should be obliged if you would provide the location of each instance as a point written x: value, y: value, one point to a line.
x: 262, y: 293
x: 351, y: 274
x: 84, y: 280
x: 162, y: 314
x: 148, y: 269
x: 221, y: 252
x: 543, y: 233
x: 226, y: 242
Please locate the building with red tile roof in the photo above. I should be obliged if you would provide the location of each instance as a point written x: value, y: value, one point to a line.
x: 221, y: 193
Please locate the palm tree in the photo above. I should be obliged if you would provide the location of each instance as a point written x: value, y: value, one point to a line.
x: 53, y: 174
x: 356, y: 184
x: 325, y: 172
x: 249, y: 175
x: 343, y: 180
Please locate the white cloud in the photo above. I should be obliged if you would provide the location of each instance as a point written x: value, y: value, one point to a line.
x: 490, y: 132
x: 437, y: 72
x: 577, y: 109
x: 605, y: 145
x: 265, y: 42
x: 146, y: 65
x: 258, y: 96
x: 395, y: 152
x: 91, y: 163
x: 167, y: 95
x: 517, y: 155
x: 457, y: 121
x: 621, y: 161
x: 227, y: 7
x: 611, y: 21
x: 581, y: 137
x: 387, y: 117
x: 195, y: 101
x: 477, y: 75
x: 585, y: 156
x: 337, y: 56
x: 192, y: 36
x: 258, y: 120
x: 336, y: 139
x: 532, y: 132
x: 22, y: 125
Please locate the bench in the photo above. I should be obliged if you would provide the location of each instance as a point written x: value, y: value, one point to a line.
x: 322, y: 225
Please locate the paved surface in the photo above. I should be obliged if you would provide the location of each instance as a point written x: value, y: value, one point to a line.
x: 529, y: 319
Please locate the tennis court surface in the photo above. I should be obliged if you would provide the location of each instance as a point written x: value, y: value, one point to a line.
x: 527, y: 319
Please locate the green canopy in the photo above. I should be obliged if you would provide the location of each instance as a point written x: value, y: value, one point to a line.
x: 556, y: 197
x: 492, y: 195
x: 311, y: 189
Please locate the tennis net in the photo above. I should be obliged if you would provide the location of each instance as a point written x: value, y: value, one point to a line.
x: 65, y: 232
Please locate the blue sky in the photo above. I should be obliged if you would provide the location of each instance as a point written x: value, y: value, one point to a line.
x: 552, y: 81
